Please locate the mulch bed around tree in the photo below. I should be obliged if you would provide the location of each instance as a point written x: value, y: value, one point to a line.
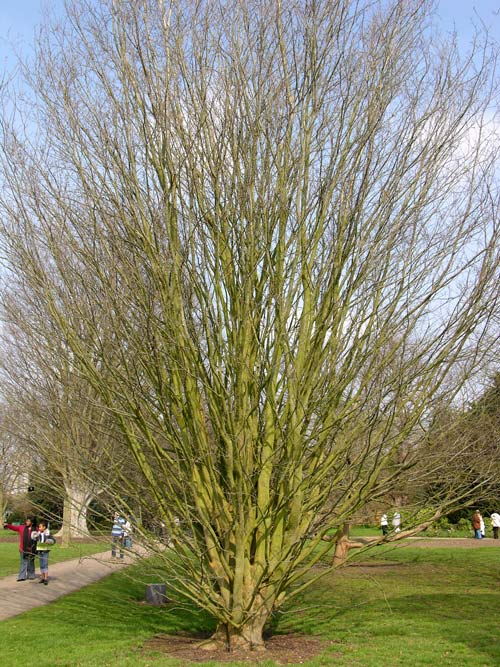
x: 283, y: 649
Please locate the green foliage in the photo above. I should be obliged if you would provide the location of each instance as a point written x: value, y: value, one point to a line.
x: 443, y: 524
x: 464, y: 524
x: 417, y: 517
x: 461, y: 517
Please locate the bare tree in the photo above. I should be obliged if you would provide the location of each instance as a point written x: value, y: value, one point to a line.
x: 55, y: 413
x: 266, y: 234
x: 470, y: 439
x: 14, y: 464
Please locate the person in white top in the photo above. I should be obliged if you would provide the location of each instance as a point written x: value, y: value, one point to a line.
x: 127, y: 535
x: 495, y: 524
x: 384, y: 524
x: 396, y: 522
x: 482, y: 528
x: 44, y: 541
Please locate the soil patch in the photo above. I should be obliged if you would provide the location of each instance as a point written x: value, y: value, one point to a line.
x: 283, y: 649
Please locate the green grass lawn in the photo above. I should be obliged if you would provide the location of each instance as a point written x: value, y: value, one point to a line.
x: 9, y: 552
x: 411, y: 607
x: 403, y: 607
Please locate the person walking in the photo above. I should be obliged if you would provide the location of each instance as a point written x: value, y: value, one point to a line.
x: 26, y: 551
x: 384, y: 524
x: 476, y: 524
x: 495, y: 524
x: 117, y: 532
x: 43, y: 541
x: 396, y: 522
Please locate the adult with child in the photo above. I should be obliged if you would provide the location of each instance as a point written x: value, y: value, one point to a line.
x: 43, y: 541
x: 26, y: 549
x: 476, y: 524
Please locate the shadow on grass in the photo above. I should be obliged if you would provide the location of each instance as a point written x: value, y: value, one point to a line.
x: 104, y: 624
x: 119, y: 602
x: 439, y: 620
x: 470, y: 620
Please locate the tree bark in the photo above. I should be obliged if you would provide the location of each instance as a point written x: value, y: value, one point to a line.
x: 343, y: 545
x: 249, y: 636
x: 3, y: 505
x: 75, y: 509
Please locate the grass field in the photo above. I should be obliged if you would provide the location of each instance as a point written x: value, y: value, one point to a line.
x: 409, y: 607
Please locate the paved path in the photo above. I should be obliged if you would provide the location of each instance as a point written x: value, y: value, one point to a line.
x: 462, y: 542
x: 66, y: 577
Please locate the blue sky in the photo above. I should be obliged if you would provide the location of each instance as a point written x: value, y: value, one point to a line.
x: 461, y: 12
x: 18, y: 19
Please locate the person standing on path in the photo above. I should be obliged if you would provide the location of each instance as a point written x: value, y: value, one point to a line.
x: 26, y: 551
x: 117, y: 532
x: 43, y: 540
x: 384, y: 524
x: 495, y: 524
x: 476, y: 524
x: 396, y: 521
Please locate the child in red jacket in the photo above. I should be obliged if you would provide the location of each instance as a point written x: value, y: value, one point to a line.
x: 27, y: 554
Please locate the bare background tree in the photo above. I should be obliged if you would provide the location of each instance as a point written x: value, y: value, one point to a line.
x: 14, y: 464
x: 265, y: 235
x: 63, y: 429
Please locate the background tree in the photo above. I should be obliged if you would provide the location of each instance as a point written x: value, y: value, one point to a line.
x: 14, y: 464
x: 470, y: 438
x: 60, y: 424
x: 284, y: 219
